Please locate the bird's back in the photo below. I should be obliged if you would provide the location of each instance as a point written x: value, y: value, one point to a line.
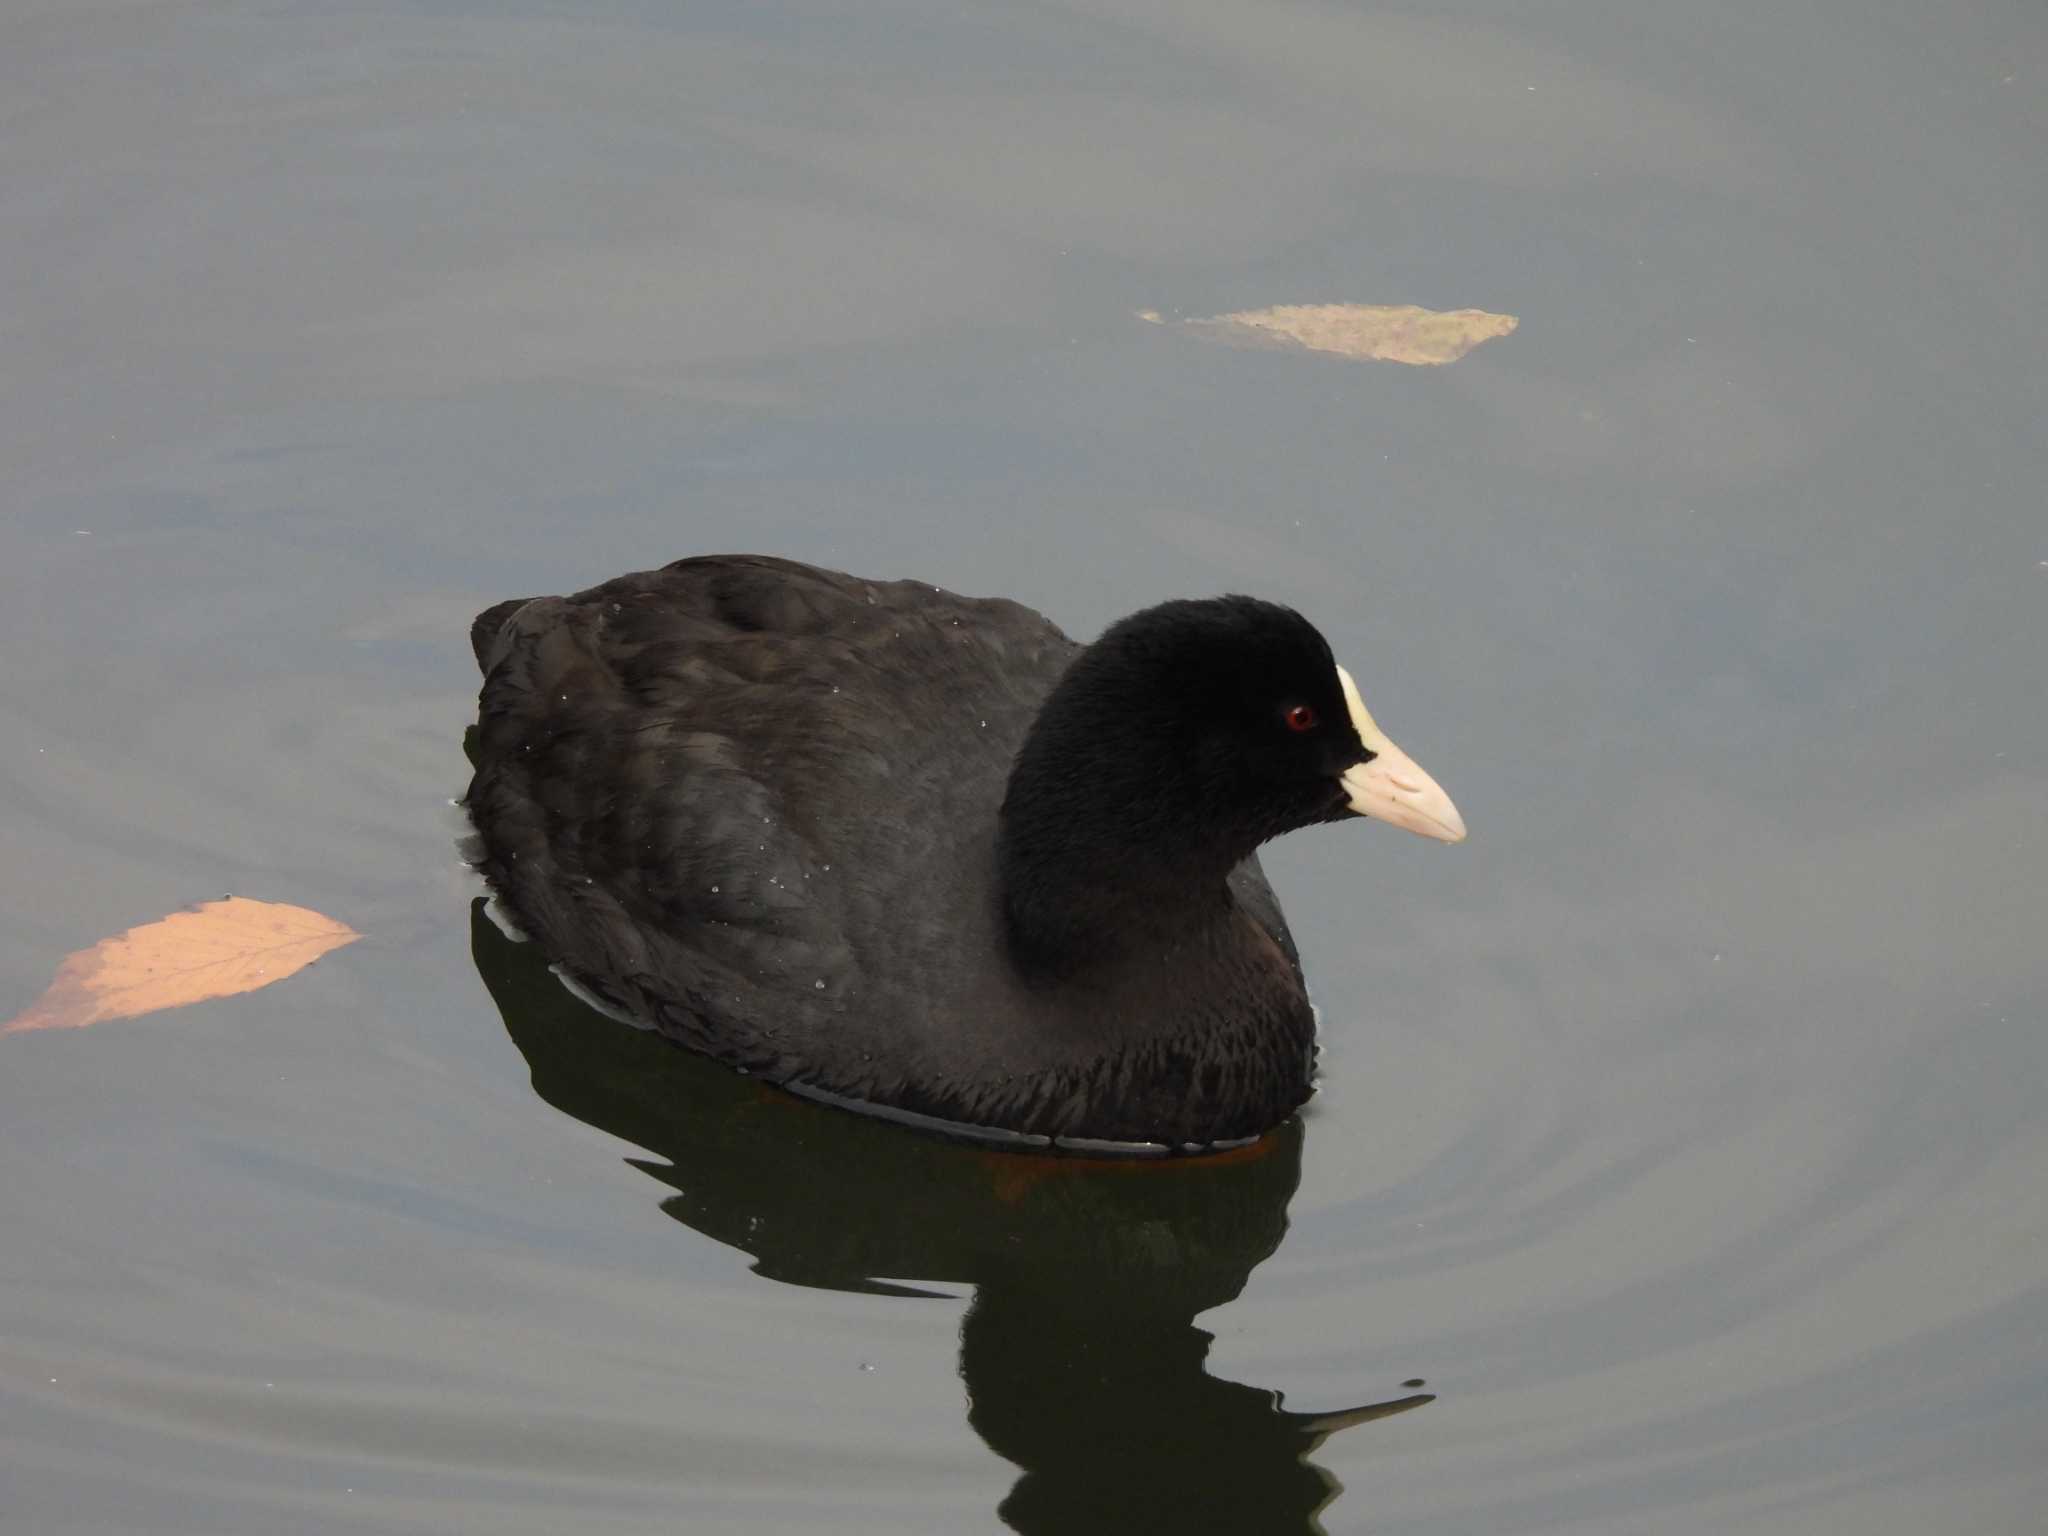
x: 747, y: 800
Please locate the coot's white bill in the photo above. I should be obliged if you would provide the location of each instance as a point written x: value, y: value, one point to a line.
x: 1392, y: 788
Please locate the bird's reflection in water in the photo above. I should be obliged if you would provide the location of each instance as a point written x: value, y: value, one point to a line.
x: 1080, y: 1353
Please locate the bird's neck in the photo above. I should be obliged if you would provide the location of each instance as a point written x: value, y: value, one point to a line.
x: 1108, y: 845
x: 1084, y: 887
x: 1062, y: 919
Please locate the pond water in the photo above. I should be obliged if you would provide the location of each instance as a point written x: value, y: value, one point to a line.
x: 1682, y: 1133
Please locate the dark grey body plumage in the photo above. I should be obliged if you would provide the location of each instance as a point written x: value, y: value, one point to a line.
x: 762, y: 807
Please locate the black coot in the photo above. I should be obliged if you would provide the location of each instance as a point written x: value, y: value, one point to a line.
x: 922, y: 854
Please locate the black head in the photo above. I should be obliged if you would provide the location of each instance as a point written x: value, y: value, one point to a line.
x: 1226, y: 719
x: 1192, y: 732
x: 1186, y: 736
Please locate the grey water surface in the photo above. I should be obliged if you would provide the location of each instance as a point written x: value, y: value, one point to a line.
x: 1685, y: 1132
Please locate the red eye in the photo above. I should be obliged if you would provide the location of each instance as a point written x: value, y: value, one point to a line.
x: 1300, y: 718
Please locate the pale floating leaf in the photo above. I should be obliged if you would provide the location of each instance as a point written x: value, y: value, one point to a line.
x: 1388, y: 333
x: 217, y: 949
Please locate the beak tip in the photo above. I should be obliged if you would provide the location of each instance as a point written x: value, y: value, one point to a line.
x: 1392, y: 789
